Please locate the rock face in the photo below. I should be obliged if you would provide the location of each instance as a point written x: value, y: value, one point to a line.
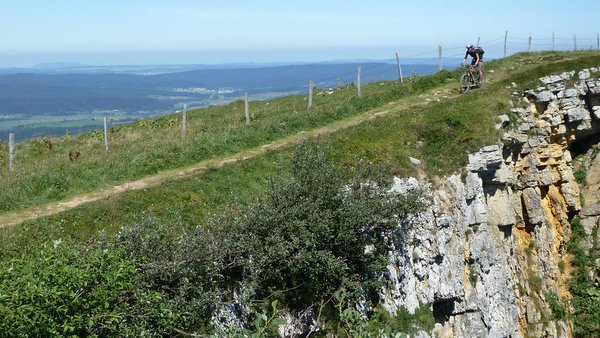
x: 488, y: 254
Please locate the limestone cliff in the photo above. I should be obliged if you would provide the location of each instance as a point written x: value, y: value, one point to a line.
x: 489, y: 254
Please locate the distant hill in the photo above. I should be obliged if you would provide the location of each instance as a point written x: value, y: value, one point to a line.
x: 43, y: 100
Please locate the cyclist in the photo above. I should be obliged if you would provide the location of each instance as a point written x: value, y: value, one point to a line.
x: 476, y: 62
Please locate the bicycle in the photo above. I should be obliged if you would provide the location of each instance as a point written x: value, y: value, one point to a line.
x: 471, y: 79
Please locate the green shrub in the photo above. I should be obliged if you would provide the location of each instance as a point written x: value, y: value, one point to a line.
x: 535, y: 282
x: 298, y: 244
x: 559, y: 311
x: 580, y: 176
x: 585, y: 293
x: 66, y: 292
x: 421, y: 320
x: 310, y: 232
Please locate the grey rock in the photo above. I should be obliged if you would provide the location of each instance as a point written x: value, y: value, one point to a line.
x: 570, y: 191
x: 578, y: 114
x: 500, y: 208
x: 463, y: 251
x: 532, y: 200
x: 469, y: 324
x: 521, y: 112
x: 546, y: 177
x: 567, y: 75
x: 504, y: 121
x: 570, y: 93
x: 511, y: 139
x: 551, y: 79
x: 487, y: 158
x: 545, y: 96
x: 584, y: 74
x: 583, y: 125
x: 414, y: 161
x: 569, y: 102
x: 567, y: 158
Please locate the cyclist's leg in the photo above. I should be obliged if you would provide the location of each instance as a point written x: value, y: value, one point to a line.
x: 471, y: 67
x: 481, y: 72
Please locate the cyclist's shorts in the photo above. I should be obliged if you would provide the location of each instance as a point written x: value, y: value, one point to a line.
x: 479, y: 66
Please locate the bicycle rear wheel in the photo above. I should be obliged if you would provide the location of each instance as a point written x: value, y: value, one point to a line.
x: 465, y: 83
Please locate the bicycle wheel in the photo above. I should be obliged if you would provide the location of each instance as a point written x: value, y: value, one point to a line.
x: 465, y: 83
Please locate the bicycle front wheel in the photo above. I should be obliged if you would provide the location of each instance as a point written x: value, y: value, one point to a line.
x: 465, y: 83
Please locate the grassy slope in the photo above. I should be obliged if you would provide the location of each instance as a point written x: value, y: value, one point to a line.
x: 447, y: 130
x: 44, y: 172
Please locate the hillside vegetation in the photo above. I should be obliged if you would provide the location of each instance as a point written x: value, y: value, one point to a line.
x: 164, y: 259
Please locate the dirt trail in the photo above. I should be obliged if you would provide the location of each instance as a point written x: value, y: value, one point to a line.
x: 20, y: 216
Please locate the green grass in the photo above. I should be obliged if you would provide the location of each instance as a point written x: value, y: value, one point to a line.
x: 45, y: 174
x: 438, y: 133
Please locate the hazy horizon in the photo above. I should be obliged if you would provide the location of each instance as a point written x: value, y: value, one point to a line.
x: 143, y: 32
x: 209, y: 57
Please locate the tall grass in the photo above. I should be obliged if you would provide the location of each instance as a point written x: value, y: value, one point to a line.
x: 46, y: 172
x: 439, y: 134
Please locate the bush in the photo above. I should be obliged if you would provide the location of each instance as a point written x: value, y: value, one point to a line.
x: 64, y: 292
x: 585, y: 292
x: 298, y: 244
x: 310, y: 233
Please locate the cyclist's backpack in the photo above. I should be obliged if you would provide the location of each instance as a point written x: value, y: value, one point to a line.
x: 480, y: 52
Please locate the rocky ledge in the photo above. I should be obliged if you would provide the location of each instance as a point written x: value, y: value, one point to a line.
x: 489, y: 254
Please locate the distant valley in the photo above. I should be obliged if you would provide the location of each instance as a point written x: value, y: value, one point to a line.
x: 50, y: 99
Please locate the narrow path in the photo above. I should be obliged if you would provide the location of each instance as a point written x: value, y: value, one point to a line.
x: 17, y: 217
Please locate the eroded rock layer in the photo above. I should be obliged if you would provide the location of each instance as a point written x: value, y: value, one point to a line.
x: 489, y: 254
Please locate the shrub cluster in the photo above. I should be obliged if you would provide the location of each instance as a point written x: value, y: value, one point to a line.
x: 299, y: 244
x: 583, y: 287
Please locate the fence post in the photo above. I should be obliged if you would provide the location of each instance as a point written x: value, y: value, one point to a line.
x: 575, y: 42
x: 247, y: 110
x: 399, y: 68
x: 440, y: 63
x: 505, y: 38
x: 11, y: 151
x: 358, y: 81
x: 105, y: 135
x: 478, y: 40
x: 311, y: 86
x: 183, y: 120
x: 529, y: 45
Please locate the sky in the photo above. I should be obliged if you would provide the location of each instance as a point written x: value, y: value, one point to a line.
x: 117, y: 32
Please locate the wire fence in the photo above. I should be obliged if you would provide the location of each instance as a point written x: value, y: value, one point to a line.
x: 445, y: 57
x: 420, y: 63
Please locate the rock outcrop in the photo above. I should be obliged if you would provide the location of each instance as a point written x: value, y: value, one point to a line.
x: 489, y: 254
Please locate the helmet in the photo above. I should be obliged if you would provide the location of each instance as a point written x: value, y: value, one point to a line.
x: 469, y: 45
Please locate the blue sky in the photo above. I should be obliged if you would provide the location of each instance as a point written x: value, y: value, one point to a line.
x: 185, y: 31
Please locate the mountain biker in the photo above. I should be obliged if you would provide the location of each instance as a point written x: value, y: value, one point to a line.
x: 476, y: 61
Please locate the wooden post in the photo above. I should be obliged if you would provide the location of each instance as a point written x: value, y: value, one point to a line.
x: 358, y: 81
x: 440, y: 63
x: 311, y: 86
x: 105, y: 135
x: 247, y: 110
x: 478, y: 40
x: 505, y: 39
x: 574, y: 41
x: 553, y: 41
x: 183, y: 120
x: 529, y: 45
x: 399, y: 68
x: 11, y: 151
